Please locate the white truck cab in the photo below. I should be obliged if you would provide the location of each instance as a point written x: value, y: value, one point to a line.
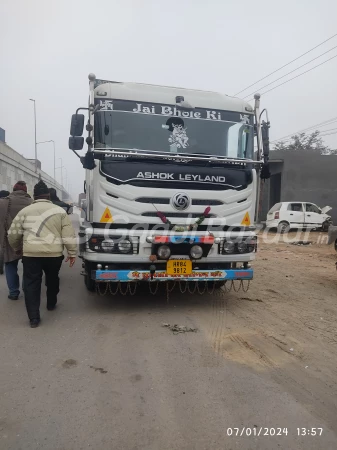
x: 171, y: 184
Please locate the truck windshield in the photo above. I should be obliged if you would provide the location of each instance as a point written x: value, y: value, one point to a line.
x: 121, y: 129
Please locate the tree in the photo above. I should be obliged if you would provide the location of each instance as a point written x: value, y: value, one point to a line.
x: 310, y: 143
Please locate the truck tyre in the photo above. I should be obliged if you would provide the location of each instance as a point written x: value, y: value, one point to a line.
x: 283, y: 227
x: 336, y: 245
x: 89, y: 283
x: 219, y: 284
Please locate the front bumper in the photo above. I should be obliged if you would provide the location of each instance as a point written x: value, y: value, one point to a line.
x: 143, y: 248
x: 160, y: 275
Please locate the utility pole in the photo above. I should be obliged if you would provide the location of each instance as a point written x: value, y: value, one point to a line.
x: 61, y: 173
x: 66, y: 180
x: 54, y: 160
x: 61, y: 167
x: 43, y: 142
x: 32, y: 100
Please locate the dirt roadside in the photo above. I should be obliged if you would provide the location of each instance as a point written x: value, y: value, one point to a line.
x: 286, y: 323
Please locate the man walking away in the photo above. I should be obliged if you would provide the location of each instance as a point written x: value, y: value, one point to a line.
x: 54, y: 199
x: 2, y: 195
x: 9, y: 207
x: 45, y: 229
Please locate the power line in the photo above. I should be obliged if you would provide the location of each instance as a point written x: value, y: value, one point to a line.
x: 285, y: 65
x: 318, y: 125
x: 292, y: 71
x: 287, y: 141
x: 331, y: 129
x: 328, y: 134
x: 305, y: 129
x: 299, y: 75
x: 321, y: 135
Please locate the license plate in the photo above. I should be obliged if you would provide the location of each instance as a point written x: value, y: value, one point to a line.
x: 179, y: 267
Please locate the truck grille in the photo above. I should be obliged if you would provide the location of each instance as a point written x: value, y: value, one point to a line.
x: 179, y: 215
x: 166, y: 201
x: 158, y: 200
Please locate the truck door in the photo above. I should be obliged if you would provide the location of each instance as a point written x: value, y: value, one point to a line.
x: 295, y: 215
x: 313, y: 216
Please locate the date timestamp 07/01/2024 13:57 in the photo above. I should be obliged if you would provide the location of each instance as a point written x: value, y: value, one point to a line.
x: 270, y: 431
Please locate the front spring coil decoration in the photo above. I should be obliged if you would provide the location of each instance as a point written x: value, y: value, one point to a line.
x: 192, y: 287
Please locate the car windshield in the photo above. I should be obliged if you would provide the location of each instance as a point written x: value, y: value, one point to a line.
x: 121, y: 129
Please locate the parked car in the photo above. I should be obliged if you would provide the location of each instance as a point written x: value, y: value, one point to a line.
x: 294, y: 215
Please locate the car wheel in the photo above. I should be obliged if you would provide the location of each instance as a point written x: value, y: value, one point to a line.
x: 325, y: 226
x: 283, y: 227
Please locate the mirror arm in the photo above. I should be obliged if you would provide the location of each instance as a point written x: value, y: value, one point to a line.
x: 265, y: 172
x: 93, y: 109
x: 81, y: 109
x: 78, y: 156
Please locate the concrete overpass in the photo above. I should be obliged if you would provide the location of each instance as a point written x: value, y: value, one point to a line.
x: 14, y: 167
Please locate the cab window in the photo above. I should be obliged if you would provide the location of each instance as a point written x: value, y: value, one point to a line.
x: 309, y: 207
x: 295, y: 207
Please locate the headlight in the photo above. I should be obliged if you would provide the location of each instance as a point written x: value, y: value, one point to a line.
x: 196, y: 252
x: 124, y: 246
x: 228, y: 247
x: 251, y: 244
x: 242, y: 247
x: 107, y: 245
x: 164, y: 252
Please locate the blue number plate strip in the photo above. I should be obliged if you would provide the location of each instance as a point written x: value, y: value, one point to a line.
x: 160, y: 275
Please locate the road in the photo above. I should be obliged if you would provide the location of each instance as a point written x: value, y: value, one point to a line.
x: 102, y: 372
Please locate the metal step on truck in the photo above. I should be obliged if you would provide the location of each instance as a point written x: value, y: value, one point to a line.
x: 172, y: 186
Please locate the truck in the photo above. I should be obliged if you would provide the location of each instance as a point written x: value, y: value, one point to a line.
x: 172, y: 186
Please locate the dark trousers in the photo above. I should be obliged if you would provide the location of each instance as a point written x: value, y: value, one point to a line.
x: 32, y: 277
x: 12, y: 277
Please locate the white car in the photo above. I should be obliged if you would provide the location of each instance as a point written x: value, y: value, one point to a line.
x: 293, y: 215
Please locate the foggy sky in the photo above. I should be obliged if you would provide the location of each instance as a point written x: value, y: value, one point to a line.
x: 47, y: 50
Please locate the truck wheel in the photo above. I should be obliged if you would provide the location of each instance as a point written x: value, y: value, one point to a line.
x: 89, y: 283
x: 219, y: 284
x: 283, y: 227
x: 336, y: 245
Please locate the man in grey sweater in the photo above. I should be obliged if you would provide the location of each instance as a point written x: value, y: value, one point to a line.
x: 9, y: 207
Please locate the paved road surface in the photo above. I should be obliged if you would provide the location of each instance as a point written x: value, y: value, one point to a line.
x: 102, y: 373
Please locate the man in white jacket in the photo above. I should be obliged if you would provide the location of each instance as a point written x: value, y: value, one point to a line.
x: 43, y: 230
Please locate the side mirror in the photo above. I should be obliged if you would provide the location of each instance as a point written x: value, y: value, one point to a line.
x: 77, y: 125
x: 76, y: 142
